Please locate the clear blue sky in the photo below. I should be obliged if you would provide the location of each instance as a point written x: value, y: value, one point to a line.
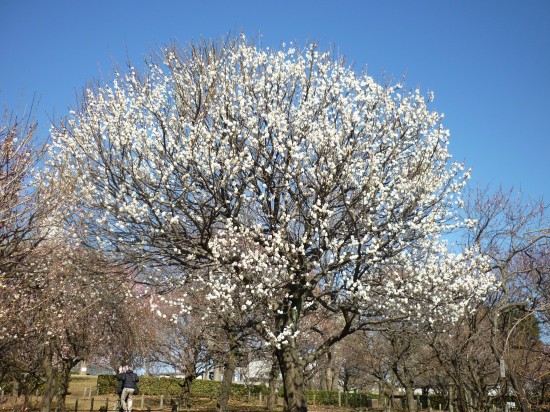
x: 488, y: 62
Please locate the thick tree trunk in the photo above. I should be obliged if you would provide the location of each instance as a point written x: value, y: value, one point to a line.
x: 404, y: 379
x: 328, y: 377
x: 64, y: 379
x: 186, y: 390
x: 411, y: 402
x: 50, y: 375
x: 225, y: 387
x: 292, y: 369
x: 273, y: 394
x: 464, y: 398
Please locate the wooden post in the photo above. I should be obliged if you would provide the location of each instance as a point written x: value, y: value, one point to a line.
x: 91, y: 404
x: 339, y: 398
x: 76, y: 405
x: 161, y: 402
x: 314, y: 398
x: 142, y: 401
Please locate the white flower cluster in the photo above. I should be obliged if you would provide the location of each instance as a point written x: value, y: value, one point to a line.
x: 286, y: 174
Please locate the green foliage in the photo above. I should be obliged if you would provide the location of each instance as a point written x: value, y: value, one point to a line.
x: 31, y: 384
x: 156, y: 386
x: 106, y: 384
x: 200, y: 388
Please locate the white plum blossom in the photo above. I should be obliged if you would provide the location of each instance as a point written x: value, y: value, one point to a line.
x: 280, y: 181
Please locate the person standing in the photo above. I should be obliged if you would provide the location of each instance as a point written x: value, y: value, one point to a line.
x: 128, y: 383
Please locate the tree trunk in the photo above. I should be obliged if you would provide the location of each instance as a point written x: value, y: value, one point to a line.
x: 451, y: 398
x: 15, y: 388
x: 411, y: 402
x: 273, y: 394
x: 63, y: 380
x: 225, y: 386
x: 520, y: 390
x: 50, y: 375
x: 292, y: 369
x: 186, y: 390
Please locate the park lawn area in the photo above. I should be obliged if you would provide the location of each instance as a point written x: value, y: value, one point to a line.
x: 81, y: 386
x: 83, y: 391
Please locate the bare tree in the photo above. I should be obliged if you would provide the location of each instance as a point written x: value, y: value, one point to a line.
x: 23, y: 205
x: 515, y: 233
x: 183, y: 346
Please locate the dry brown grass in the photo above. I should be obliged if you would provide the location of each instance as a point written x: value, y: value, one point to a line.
x: 83, y: 398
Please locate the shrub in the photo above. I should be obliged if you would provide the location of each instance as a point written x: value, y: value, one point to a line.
x: 156, y: 386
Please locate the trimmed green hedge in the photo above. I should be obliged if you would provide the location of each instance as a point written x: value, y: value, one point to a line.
x: 155, y: 386
x: 200, y: 388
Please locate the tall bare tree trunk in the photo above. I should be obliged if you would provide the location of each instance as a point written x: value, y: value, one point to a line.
x: 225, y: 387
x: 50, y: 387
x: 292, y: 369
x: 273, y: 395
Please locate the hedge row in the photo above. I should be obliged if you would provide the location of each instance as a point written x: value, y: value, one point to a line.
x: 200, y: 388
x: 172, y: 387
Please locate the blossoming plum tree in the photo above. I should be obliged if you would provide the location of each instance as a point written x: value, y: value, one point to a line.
x: 281, y: 177
x: 23, y: 205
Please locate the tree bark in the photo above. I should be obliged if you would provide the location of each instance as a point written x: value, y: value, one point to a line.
x: 411, y: 402
x: 50, y: 375
x: 63, y: 380
x: 273, y: 395
x: 225, y: 388
x: 15, y: 388
x: 292, y: 370
x: 186, y: 390
x: 520, y: 390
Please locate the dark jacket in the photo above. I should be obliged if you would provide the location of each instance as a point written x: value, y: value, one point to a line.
x: 127, y: 379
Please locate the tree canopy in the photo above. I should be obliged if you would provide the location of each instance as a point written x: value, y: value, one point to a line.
x: 281, y: 182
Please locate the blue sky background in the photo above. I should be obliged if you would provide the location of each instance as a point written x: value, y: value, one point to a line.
x: 488, y: 62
